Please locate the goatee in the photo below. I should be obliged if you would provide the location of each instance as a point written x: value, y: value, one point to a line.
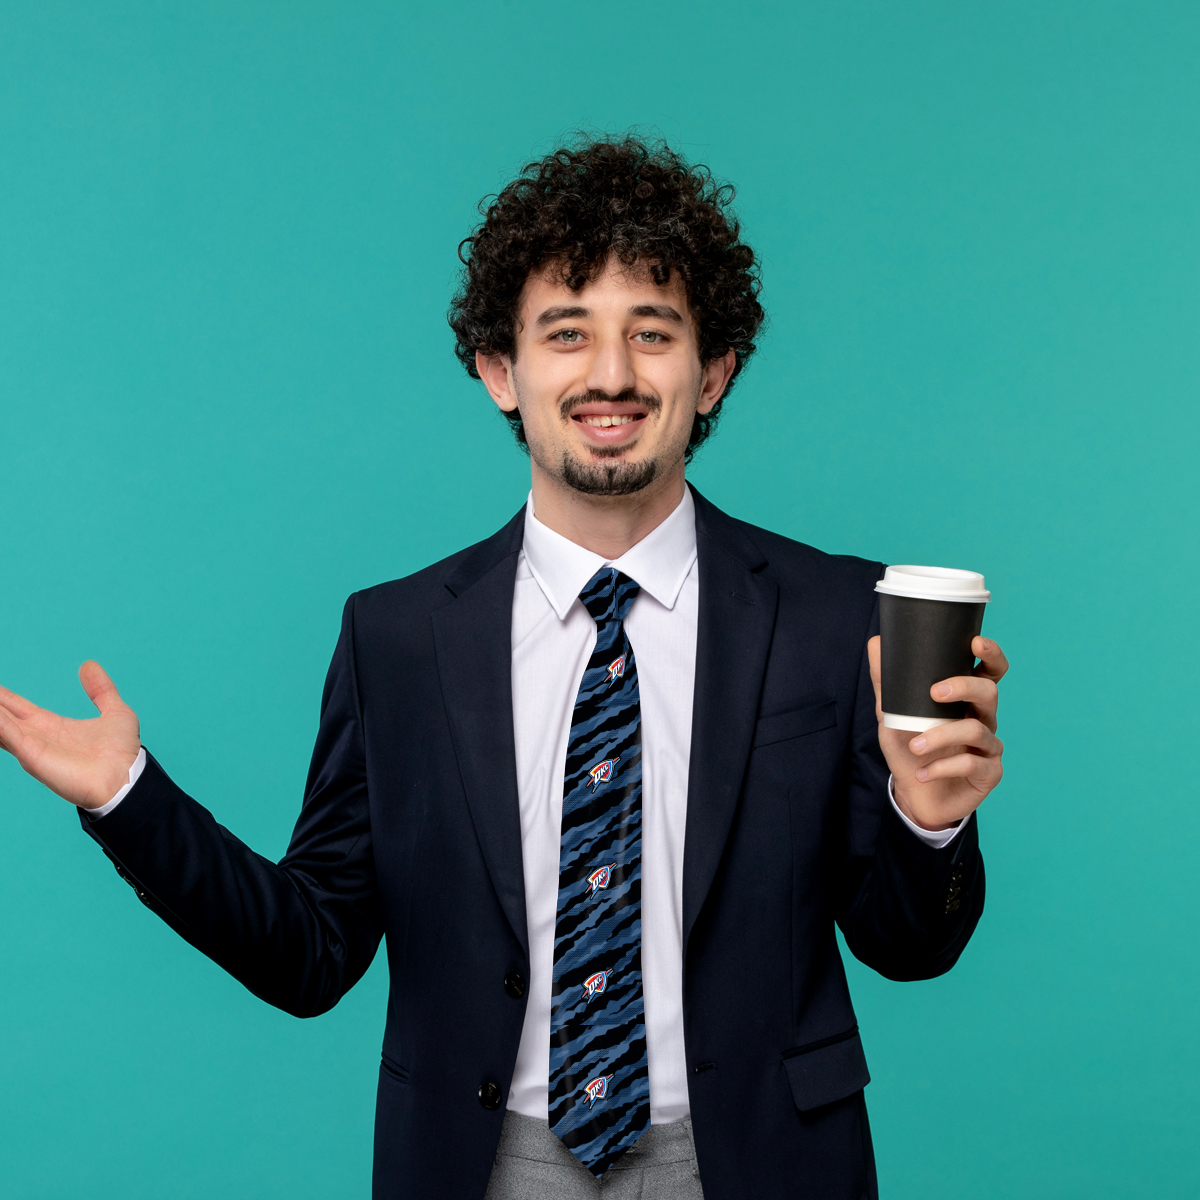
x: 615, y: 478
x: 595, y: 476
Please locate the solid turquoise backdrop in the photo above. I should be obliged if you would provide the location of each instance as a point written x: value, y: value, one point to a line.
x: 228, y: 399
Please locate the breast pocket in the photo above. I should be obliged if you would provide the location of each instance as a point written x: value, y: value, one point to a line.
x: 796, y: 723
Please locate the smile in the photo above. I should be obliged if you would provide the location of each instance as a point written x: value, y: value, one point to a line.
x: 606, y: 421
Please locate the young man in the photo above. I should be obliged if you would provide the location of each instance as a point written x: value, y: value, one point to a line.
x: 606, y: 780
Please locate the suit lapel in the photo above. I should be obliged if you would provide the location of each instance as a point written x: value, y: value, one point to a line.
x: 736, y: 621
x: 473, y: 636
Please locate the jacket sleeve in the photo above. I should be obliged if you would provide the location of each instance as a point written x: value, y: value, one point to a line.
x: 300, y: 933
x: 906, y: 909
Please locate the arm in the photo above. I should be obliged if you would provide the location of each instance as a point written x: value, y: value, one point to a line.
x: 299, y: 933
x: 906, y: 908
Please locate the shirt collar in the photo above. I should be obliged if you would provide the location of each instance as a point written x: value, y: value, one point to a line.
x: 659, y: 563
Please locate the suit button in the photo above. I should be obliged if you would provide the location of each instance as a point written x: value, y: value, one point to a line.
x: 489, y: 1094
x: 514, y: 984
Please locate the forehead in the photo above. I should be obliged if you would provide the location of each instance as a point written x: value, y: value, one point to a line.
x: 615, y: 291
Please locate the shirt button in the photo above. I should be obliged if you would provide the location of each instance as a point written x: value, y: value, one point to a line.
x: 489, y: 1094
x: 514, y: 984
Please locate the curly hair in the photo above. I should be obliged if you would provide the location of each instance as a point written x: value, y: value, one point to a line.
x: 630, y: 199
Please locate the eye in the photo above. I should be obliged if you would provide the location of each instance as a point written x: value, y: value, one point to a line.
x: 650, y: 337
x: 570, y: 336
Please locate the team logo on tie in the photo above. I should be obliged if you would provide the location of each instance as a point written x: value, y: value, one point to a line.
x: 596, y: 1090
x: 600, y: 878
x: 616, y: 669
x: 595, y: 984
x: 602, y: 772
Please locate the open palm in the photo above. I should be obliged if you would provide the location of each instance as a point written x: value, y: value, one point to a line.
x: 86, y: 762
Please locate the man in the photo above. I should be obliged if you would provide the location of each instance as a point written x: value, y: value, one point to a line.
x: 606, y: 780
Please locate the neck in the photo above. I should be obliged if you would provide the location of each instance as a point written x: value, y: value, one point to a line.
x: 605, y: 525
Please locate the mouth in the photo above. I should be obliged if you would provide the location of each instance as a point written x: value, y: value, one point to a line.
x: 609, y: 423
x: 605, y: 421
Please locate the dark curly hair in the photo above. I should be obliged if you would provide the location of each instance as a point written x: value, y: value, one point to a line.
x: 630, y: 198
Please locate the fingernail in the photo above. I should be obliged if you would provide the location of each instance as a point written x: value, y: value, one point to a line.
x: 944, y: 689
x: 918, y: 745
x: 923, y: 774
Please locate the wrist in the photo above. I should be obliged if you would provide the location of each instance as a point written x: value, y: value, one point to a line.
x: 928, y: 821
x: 116, y: 785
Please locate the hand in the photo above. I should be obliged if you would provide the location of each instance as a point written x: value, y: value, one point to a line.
x: 944, y: 774
x: 85, y: 762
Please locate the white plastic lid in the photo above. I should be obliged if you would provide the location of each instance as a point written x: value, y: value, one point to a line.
x: 934, y: 583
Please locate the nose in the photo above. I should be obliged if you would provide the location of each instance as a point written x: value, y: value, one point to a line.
x: 611, y: 367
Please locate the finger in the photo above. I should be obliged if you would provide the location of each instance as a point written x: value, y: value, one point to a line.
x: 982, y: 694
x: 982, y: 772
x: 992, y: 663
x: 971, y: 732
x: 873, y: 659
x: 20, y: 708
x: 11, y: 734
x: 100, y: 689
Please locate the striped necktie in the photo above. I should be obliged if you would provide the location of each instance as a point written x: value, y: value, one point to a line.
x: 599, y: 1078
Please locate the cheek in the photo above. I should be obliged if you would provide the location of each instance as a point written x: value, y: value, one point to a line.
x: 677, y: 377
x: 542, y: 384
x: 535, y: 402
x: 679, y: 407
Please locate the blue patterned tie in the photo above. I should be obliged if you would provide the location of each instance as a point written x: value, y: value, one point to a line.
x: 599, y: 1078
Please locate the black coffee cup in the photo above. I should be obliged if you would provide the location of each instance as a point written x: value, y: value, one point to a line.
x: 928, y: 617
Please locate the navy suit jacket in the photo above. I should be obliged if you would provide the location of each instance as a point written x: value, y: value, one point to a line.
x: 410, y: 828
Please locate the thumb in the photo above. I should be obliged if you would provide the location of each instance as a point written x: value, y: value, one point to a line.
x: 100, y: 689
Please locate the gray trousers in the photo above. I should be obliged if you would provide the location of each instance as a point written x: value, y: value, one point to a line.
x: 532, y: 1164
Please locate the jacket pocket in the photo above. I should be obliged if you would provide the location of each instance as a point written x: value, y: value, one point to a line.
x: 828, y: 1070
x: 809, y: 719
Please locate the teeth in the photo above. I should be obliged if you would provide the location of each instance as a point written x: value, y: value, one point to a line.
x: 604, y: 422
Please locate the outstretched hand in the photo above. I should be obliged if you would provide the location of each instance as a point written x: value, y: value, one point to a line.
x: 945, y: 774
x: 86, y: 762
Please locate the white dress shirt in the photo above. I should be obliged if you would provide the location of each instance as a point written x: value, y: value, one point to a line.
x: 553, y: 636
x: 552, y: 639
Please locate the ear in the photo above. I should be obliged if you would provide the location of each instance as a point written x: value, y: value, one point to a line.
x: 495, y: 370
x: 715, y: 380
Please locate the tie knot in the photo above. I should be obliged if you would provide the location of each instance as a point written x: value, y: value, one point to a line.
x: 609, y: 595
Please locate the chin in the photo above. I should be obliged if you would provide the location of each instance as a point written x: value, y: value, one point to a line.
x: 607, y: 474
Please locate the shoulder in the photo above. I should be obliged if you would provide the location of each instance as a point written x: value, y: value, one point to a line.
x: 437, y: 585
x: 793, y: 565
x: 797, y: 563
x: 424, y: 589
x: 825, y: 606
x: 834, y: 593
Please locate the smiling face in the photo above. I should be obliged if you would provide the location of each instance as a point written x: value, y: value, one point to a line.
x: 608, y: 381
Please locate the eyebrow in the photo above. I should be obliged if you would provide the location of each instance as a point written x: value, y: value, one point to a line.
x: 664, y: 312
x: 562, y: 313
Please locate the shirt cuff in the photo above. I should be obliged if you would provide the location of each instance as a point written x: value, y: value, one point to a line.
x: 939, y: 839
x: 135, y: 773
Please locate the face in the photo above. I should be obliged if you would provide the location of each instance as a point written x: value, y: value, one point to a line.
x: 608, y: 380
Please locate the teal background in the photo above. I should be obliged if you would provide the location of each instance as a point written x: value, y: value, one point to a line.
x: 227, y: 399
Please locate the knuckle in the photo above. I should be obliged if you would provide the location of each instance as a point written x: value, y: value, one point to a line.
x: 988, y: 771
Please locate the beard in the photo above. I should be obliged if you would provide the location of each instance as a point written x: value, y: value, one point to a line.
x: 593, y: 476
x: 606, y: 479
